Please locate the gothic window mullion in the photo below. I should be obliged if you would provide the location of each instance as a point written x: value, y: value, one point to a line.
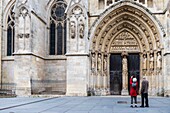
x: 59, y: 39
x: 12, y: 40
x: 63, y: 39
x: 65, y: 32
x: 10, y: 33
x: 52, y: 38
x: 56, y: 39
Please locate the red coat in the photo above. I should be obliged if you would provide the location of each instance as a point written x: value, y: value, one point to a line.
x: 133, y: 91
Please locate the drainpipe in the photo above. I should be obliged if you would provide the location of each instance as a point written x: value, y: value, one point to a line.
x: 1, y: 29
x: 1, y: 33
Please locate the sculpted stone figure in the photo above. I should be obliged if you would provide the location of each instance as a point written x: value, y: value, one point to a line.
x: 159, y: 60
x: 151, y: 62
x: 144, y: 62
x: 125, y: 72
x: 99, y: 62
x: 124, y: 62
x: 93, y: 60
x: 105, y: 63
x: 81, y: 28
x: 72, y: 29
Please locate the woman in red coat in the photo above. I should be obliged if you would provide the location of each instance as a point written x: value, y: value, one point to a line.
x: 133, y: 90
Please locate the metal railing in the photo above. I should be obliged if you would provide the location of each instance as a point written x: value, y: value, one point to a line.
x: 7, y: 89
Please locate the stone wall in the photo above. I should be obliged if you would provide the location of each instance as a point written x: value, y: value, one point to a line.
x: 55, y: 71
x: 39, y: 39
x: 8, y: 71
x: 77, y: 75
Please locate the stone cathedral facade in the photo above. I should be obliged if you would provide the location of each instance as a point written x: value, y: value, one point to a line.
x: 84, y: 47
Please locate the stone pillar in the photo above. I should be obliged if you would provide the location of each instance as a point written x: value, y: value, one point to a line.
x: 124, y: 74
x: 105, y: 69
x: 77, y: 72
x: 99, y: 69
x: 148, y: 73
x: 154, y: 90
x: 142, y: 71
x: 108, y: 72
x: 166, y: 64
x: 22, y: 73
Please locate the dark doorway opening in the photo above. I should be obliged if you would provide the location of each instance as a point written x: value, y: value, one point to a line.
x: 133, y: 67
x: 115, y: 74
x: 116, y: 71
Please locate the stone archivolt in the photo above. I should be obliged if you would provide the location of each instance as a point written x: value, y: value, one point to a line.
x: 142, y: 23
x: 126, y: 29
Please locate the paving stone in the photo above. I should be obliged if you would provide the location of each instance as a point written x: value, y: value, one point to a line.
x: 94, y: 104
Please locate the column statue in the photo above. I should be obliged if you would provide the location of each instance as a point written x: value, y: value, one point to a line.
x: 144, y: 62
x: 105, y: 63
x: 81, y: 28
x: 159, y: 61
x: 72, y: 29
x: 151, y: 62
x: 125, y: 70
x: 93, y: 61
x: 124, y: 74
x: 99, y: 62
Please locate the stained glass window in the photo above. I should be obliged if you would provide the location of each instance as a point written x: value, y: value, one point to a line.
x: 10, y: 32
x: 57, y: 45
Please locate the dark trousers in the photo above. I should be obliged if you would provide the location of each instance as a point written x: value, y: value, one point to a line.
x: 144, y: 96
x: 135, y: 99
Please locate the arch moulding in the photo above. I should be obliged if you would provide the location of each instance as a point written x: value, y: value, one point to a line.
x: 124, y: 25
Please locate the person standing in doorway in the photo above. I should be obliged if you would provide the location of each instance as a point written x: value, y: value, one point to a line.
x: 133, y: 90
x: 144, y: 92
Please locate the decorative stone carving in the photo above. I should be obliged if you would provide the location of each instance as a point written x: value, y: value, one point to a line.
x: 93, y: 61
x: 72, y: 29
x: 24, y: 29
x: 125, y: 42
x: 150, y: 46
x: 81, y: 27
x: 151, y: 62
x: 99, y: 63
x: 77, y: 22
x: 105, y: 63
x: 76, y: 1
x: 144, y: 62
x: 159, y: 60
x: 24, y: 19
x: 109, y: 2
x: 125, y: 70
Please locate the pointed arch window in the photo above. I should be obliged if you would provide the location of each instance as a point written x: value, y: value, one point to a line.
x: 10, y: 32
x: 57, y: 40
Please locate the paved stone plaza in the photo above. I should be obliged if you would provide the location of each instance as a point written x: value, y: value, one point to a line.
x: 108, y: 104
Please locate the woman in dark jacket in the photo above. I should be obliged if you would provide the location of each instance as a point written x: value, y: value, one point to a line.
x: 133, y: 90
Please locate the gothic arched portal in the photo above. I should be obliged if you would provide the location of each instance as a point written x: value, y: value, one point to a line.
x: 125, y: 29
